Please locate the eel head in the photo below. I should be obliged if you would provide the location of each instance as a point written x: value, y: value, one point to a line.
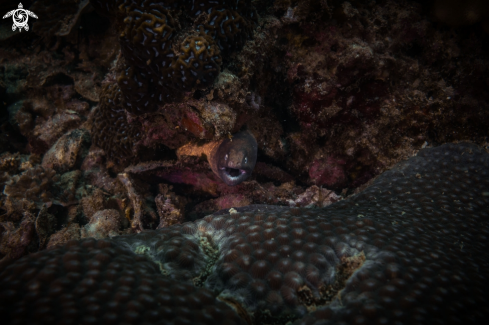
x: 236, y: 158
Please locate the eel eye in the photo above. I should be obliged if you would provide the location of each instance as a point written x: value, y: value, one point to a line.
x: 246, y: 160
x: 226, y: 157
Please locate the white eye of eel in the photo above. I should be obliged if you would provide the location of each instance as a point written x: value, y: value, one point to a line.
x: 226, y: 157
x: 246, y: 160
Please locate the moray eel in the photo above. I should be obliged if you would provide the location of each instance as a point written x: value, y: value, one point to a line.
x: 231, y: 159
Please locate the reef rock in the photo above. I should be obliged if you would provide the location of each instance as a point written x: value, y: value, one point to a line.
x: 68, y: 152
x: 102, y: 224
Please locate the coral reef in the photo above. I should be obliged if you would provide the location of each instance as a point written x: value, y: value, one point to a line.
x: 34, y: 185
x: 170, y: 207
x: 29, y: 235
x: 95, y: 104
x: 193, y: 176
x: 45, y: 226
x: 17, y: 241
x: 71, y: 232
x: 371, y: 84
x: 329, y: 172
x: 111, y: 130
x: 410, y: 248
x: 136, y: 280
x: 144, y: 215
x: 60, y: 16
x: 315, y: 197
x: 224, y: 202
x: 163, y: 51
x: 41, y: 123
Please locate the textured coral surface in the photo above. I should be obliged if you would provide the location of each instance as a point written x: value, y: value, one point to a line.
x: 111, y: 130
x: 103, y: 283
x: 161, y: 52
x: 411, y: 248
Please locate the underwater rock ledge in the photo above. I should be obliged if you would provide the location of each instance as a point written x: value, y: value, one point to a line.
x: 411, y: 248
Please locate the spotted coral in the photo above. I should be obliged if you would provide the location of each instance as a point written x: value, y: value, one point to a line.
x: 399, y: 251
x: 123, y: 288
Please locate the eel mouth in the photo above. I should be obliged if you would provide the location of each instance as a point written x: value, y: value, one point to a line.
x: 234, y: 172
x: 233, y: 176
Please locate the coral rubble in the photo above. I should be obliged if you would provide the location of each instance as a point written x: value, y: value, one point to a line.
x: 103, y: 223
x: 68, y: 152
x: 34, y: 184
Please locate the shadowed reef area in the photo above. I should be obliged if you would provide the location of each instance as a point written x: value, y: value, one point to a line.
x: 244, y: 162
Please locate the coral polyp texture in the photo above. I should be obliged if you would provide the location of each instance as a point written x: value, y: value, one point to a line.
x: 167, y: 52
x: 98, y: 282
x: 111, y: 130
x: 411, y: 249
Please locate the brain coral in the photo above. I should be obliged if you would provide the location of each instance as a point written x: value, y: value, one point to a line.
x: 167, y: 52
x: 411, y: 249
